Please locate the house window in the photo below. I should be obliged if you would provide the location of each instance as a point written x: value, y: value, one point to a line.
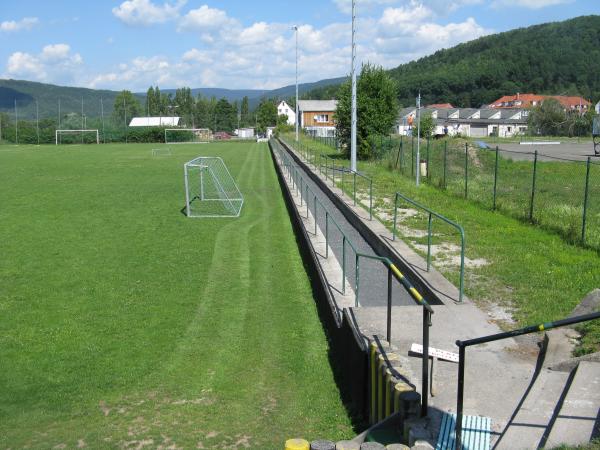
x: 509, y: 129
x: 322, y: 118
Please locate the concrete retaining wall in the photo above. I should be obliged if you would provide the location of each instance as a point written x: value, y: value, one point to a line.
x: 348, y: 349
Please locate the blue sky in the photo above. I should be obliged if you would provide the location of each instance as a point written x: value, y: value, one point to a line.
x: 133, y: 44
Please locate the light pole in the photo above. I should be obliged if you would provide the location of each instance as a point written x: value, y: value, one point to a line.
x: 37, y: 121
x: 16, y: 124
x: 295, y: 28
x: 354, y: 118
x: 418, y: 168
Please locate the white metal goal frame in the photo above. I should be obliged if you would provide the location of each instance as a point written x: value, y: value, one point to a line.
x: 59, y: 132
x: 203, y: 135
x: 210, y: 190
x: 164, y: 151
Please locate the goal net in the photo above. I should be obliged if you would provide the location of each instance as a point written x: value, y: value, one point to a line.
x: 77, y: 137
x: 187, y: 135
x: 210, y: 190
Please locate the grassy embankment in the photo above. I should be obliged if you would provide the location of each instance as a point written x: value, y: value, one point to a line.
x: 529, y: 270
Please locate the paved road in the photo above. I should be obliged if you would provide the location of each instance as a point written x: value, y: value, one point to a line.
x: 372, y: 274
x: 552, y: 152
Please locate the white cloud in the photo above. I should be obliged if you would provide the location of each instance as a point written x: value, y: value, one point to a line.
x: 224, y: 52
x: 205, y: 19
x: 26, y: 23
x: 530, y: 4
x: 54, y: 63
x: 144, y: 12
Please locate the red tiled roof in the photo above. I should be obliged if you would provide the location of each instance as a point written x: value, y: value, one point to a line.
x: 527, y: 100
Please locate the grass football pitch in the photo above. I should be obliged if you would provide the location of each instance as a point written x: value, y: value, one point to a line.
x: 124, y: 324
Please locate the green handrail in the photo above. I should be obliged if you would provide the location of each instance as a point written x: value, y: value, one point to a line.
x: 393, y: 271
x: 432, y: 214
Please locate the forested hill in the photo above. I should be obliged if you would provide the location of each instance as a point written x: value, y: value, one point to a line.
x: 552, y: 58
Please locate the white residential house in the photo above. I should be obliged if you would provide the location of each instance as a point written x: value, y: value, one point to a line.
x: 597, y: 108
x: 286, y: 110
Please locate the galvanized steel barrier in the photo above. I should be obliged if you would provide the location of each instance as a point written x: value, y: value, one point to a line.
x: 301, y: 188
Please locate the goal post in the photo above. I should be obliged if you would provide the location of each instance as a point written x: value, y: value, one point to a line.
x: 210, y: 190
x: 84, y: 136
x: 187, y: 135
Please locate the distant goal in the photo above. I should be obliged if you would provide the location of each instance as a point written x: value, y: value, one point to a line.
x: 77, y: 137
x: 187, y: 135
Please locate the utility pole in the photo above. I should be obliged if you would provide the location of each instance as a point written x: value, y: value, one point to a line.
x: 295, y: 28
x: 125, y: 118
x: 102, y: 114
x: 82, y: 120
x: 354, y: 118
x: 418, y: 168
x: 37, y: 120
x: 16, y: 124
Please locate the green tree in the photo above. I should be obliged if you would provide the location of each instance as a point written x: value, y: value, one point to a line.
x: 377, y: 108
x: 225, y: 117
x: 244, y: 113
x: 125, y: 107
x: 548, y: 119
x: 266, y: 115
x: 184, y: 102
x: 153, y: 101
x: 427, y: 126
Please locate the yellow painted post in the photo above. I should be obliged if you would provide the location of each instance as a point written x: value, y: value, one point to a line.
x: 380, y: 383
x: 373, y: 415
x: 297, y: 444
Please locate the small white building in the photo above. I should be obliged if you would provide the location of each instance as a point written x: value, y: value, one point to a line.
x: 597, y: 108
x: 245, y: 133
x: 283, y: 109
x: 155, y: 122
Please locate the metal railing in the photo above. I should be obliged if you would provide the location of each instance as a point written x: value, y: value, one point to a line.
x: 326, y: 165
x: 301, y: 187
x: 431, y: 214
x: 462, y: 346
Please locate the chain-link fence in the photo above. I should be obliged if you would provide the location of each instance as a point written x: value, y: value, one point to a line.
x: 560, y: 194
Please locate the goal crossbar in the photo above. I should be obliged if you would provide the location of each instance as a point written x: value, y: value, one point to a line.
x: 57, y: 132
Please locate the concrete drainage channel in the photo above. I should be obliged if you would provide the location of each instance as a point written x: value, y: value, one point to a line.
x: 382, y: 380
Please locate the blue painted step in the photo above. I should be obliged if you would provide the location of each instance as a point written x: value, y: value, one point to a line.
x: 476, y: 433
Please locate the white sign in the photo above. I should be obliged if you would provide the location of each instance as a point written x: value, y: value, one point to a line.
x: 434, y: 352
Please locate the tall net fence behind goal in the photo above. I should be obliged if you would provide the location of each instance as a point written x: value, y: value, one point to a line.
x: 210, y: 190
x: 187, y: 135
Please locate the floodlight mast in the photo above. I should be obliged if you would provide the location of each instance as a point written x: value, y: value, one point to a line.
x: 418, y: 162
x: 354, y: 118
x: 295, y: 28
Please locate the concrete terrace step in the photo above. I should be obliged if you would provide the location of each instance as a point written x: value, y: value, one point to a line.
x: 578, y: 420
x: 534, y: 418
